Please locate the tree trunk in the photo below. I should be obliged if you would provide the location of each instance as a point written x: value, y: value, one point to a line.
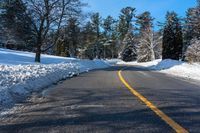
x: 152, y: 55
x: 38, y: 54
x: 112, y: 54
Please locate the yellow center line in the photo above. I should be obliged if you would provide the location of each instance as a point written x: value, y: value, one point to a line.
x: 161, y: 114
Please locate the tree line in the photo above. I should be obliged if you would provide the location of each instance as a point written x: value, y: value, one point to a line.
x: 61, y: 27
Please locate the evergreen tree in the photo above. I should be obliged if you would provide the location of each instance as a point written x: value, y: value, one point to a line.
x: 192, y: 25
x: 96, y: 23
x: 88, y: 33
x: 172, y: 37
x: 110, y: 37
x: 88, y: 39
x: 129, y: 53
x: 178, y: 48
x: 145, y: 22
x: 168, y: 36
x: 125, y: 21
x: 115, y: 41
x: 146, y: 43
x: 72, y: 37
x: 108, y: 26
x: 126, y: 35
x: 16, y: 21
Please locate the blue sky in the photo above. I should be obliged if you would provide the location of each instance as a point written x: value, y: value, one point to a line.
x: 158, y: 8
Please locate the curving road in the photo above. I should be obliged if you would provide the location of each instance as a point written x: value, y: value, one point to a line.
x: 99, y: 101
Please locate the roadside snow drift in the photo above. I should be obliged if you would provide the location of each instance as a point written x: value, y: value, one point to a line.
x: 179, y: 68
x: 173, y: 67
x: 19, y: 75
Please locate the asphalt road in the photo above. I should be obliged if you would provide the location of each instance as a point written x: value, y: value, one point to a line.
x: 98, y: 101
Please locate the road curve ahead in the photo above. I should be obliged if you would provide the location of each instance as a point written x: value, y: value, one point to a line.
x: 100, y: 101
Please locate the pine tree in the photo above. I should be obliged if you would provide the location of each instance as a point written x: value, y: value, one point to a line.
x: 115, y: 42
x: 172, y: 37
x: 72, y: 37
x: 88, y: 33
x: 96, y: 23
x: 192, y: 25
x: 108, y: 26
x: 125, y: 21
x: 129, y: 53
x: 195, y: 22
x: 17, y: 22
x: 147, y: 43
x: 145, y: 22
x: 178, y: 48
x: 88, y: 38
x: 126, y: 35
x: 168, y: 36
x: 110, y: 37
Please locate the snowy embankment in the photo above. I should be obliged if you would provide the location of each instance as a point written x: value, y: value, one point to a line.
x: 173, y: 67
x: 19, y: 75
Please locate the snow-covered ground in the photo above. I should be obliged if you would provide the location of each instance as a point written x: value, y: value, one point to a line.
x: 173, y: 67
x: 114, y: 61
x: 143, y: 64
x: 19, y: 75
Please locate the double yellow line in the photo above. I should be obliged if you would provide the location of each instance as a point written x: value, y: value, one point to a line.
x: 158, y: 112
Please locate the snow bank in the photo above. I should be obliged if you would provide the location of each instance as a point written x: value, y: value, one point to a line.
x: 179, y: 68
x: 19, y: 75
x: 166, y: 64
x: 173, y: 67
x: 113, y: 61
x: 135, y: 63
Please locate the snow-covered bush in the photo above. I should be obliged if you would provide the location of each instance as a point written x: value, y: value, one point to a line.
x: 193, y: 51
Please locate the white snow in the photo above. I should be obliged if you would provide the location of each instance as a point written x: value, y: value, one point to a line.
x: 12, y: 57
x: 113, y: 61
x: 173, y: 67
x: 179, y: 68
x: 135, y: 63
x: 19, y: 75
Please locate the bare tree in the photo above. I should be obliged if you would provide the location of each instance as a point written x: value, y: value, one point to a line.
x: 193, y: 51
x: 147, y: 47
x: 48, y: 16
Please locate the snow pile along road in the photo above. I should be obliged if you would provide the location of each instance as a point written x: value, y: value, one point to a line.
x: 142, y: 64
x: 179, y: 68
x: 114, y: 61
x: 168, y: 66
x: 19, y: 75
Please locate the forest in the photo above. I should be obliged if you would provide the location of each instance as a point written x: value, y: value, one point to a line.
x: 63, y: 28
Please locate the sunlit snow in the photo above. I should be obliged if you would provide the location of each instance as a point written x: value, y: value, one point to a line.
x: 19, y: 75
